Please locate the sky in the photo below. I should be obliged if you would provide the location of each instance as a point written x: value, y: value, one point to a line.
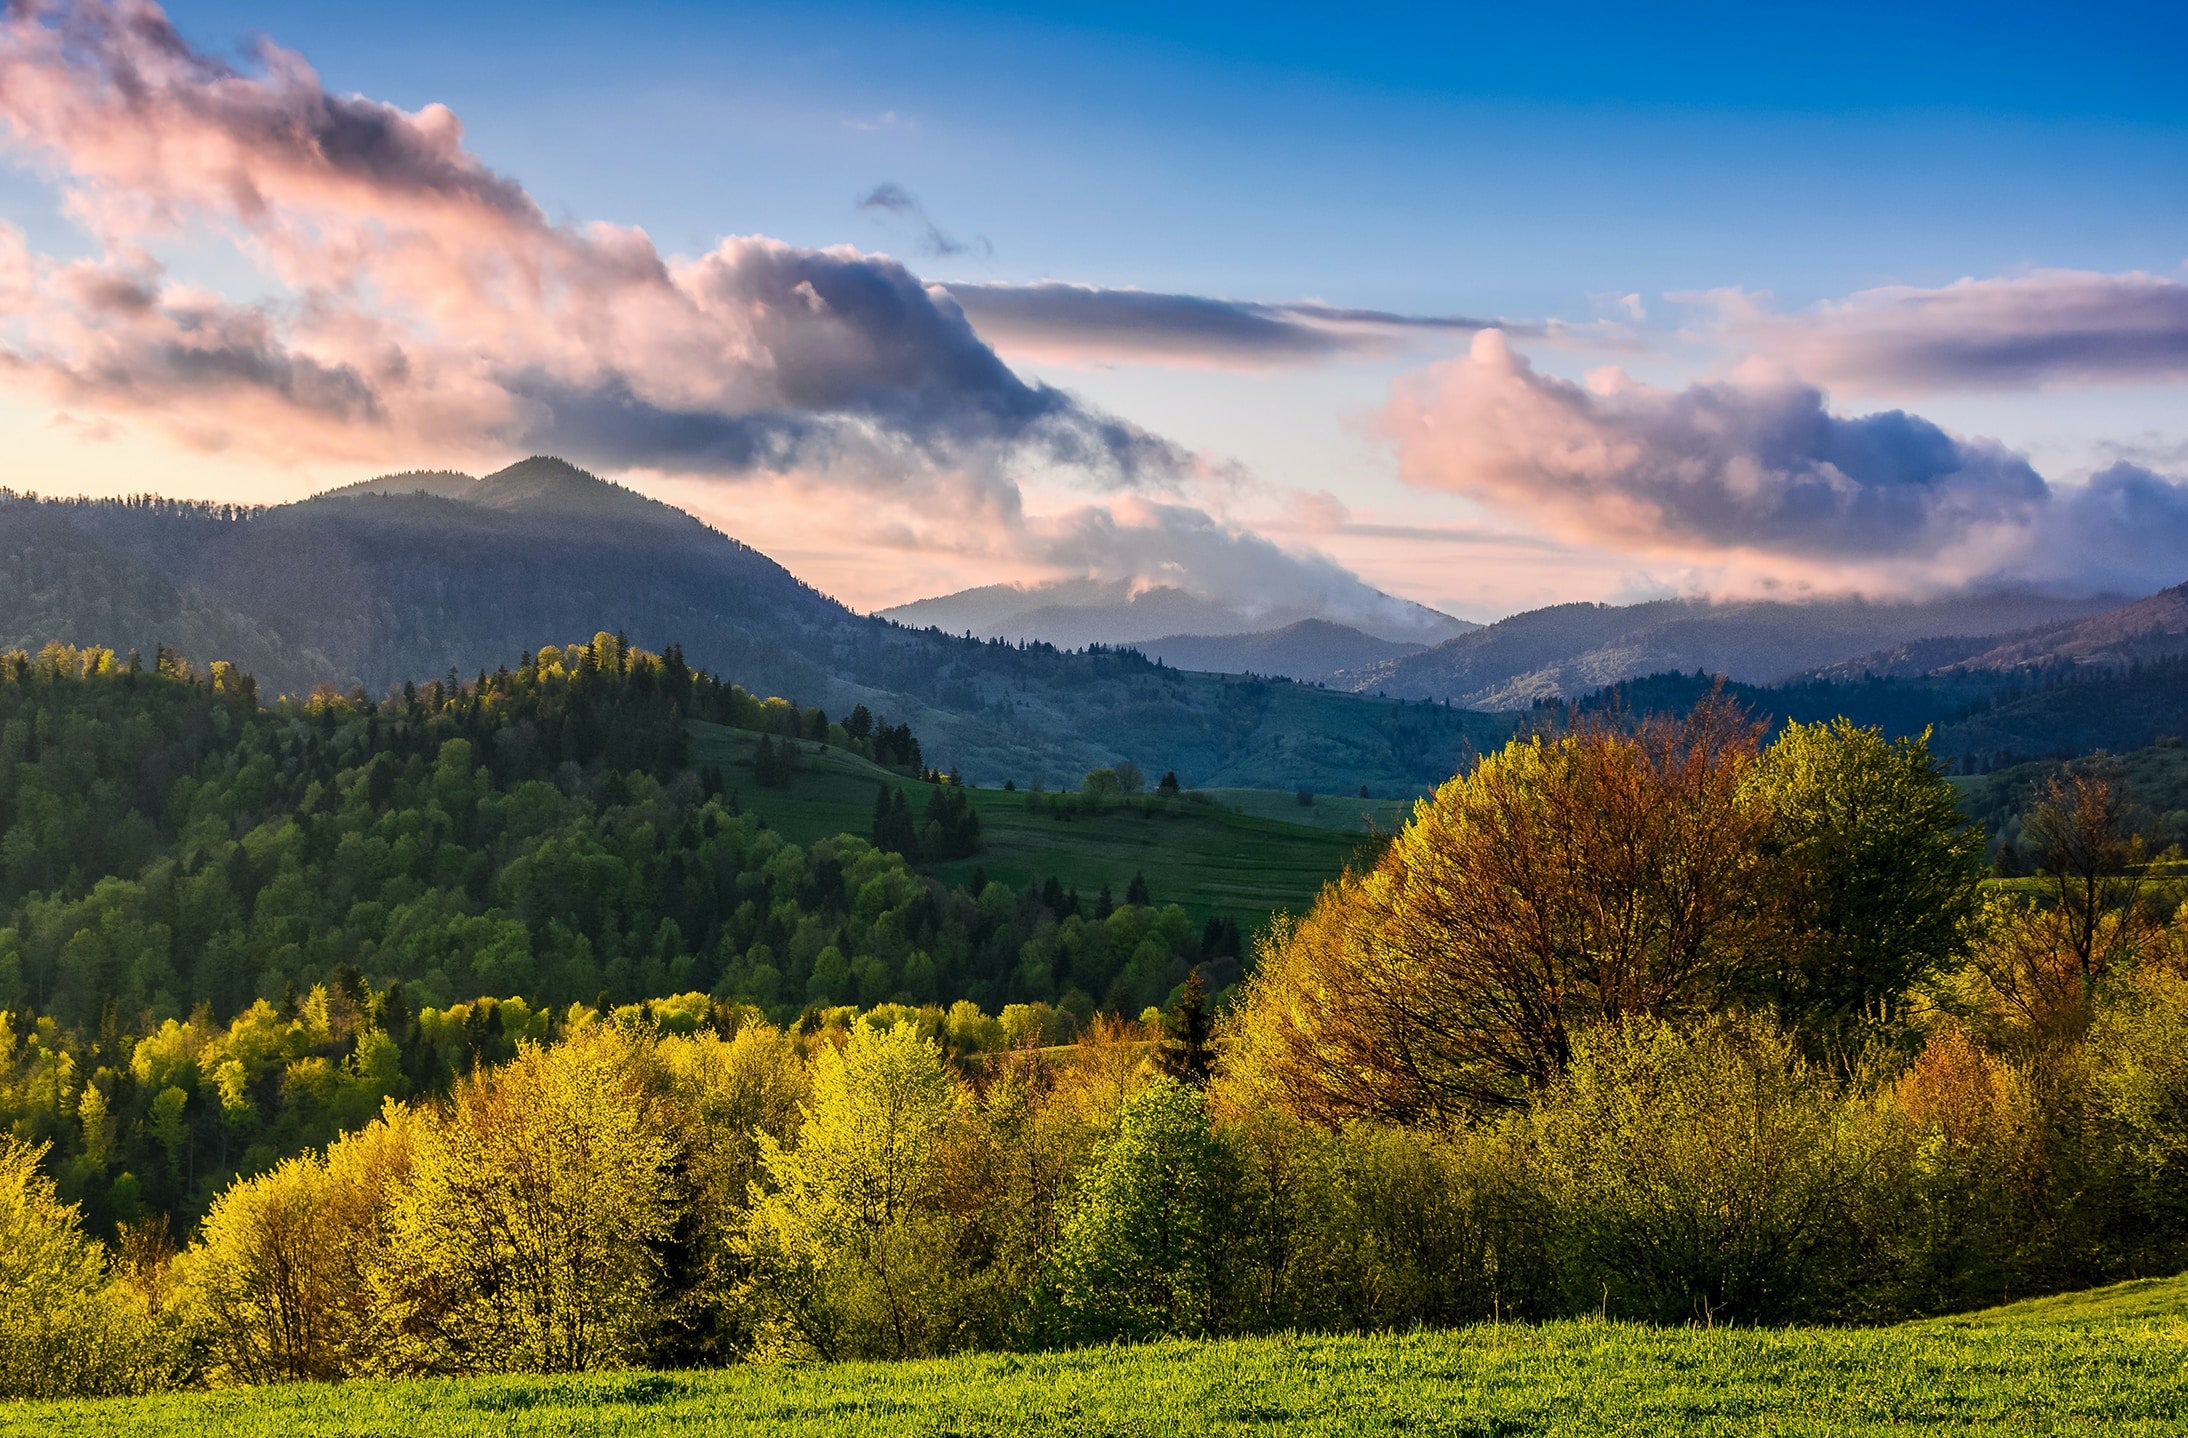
x: 1485, y: 307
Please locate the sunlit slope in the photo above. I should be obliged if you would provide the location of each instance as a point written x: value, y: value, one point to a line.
x: 1205, y: 855
x: 2137, y: 1299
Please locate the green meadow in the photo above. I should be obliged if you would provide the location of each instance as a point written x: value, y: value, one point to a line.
x: 2111, y: 1361
x: 1240, y: 853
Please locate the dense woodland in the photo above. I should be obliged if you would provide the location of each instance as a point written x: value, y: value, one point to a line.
x: 201, y: 900
x: 1642, y: 1017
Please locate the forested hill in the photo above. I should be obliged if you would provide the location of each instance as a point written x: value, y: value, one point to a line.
x: 182, y: 870
x: 417, y: 574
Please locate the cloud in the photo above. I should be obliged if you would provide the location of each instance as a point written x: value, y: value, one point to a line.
x: 425, y: 303
x: 1755, y: 474
x: 1142, y: 544
x: 1084, y: 324
x: 2047, y: 327
x: 892, y: 199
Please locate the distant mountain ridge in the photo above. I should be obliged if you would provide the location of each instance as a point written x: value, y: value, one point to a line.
x: 1568, y: 650
x: 1073, y: 613
x: 1313, y: 650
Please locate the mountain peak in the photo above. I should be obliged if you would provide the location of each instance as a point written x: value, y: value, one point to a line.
x: 542, y: 484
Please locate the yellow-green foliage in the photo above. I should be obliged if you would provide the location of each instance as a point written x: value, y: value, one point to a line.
x: 66, y: 1325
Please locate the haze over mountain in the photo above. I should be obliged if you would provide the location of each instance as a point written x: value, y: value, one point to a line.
x: 1570, y: 649
x: 1073, y: 613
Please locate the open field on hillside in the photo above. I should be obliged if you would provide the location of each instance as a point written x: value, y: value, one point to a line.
x: 1347, y: 813
x: 2114, y: 1361
x: 1210, y: 857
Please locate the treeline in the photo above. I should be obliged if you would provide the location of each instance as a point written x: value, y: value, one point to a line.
x: 172, y: 855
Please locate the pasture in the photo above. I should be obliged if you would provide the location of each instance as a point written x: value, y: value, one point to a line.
x: 2112, y: 1361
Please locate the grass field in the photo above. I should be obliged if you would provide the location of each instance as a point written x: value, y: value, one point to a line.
x: 2114, y: 1361
x: 1213, y: 858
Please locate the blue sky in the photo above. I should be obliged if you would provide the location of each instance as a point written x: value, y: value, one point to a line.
x: 1528, y: 164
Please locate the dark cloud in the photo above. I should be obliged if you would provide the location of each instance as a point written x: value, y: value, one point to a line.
x: 892, y: 199
x: 1081, y: 322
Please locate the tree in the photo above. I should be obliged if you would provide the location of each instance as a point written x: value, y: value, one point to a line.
x: 1129, y: 778
x: 1876, y: 873
x: 1136, y: 891
x: 2045, y: 960
x: 1168, y: 788
x: 66, y: 1329
x: 852, y: 1249
x: 1188, y: 1054
x: 1140, y: 1251
x: 2086, y: 849
x: 532, y: 1224
x: 288, y: 1280
x: 1565, y: 882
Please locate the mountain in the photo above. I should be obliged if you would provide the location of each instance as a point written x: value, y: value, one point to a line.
x: 1570, y: 649
x: 1074, y: 613
x: 2147, y: 630
x: 410, y: 576
x: 1312, y: 649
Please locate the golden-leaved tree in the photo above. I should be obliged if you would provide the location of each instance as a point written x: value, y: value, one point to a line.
x: 529, y: 1228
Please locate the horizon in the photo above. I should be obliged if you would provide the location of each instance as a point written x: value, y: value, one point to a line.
x: 1026, y: 295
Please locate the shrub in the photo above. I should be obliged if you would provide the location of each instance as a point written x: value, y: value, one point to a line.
x: 1699, y: 1175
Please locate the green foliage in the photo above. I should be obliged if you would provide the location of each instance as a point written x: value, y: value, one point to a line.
x: 854, y: 1245
x: 1878, y: 876
x: 1699, y: 1176
x: 1141, y: 1252
x: 66, y: 1326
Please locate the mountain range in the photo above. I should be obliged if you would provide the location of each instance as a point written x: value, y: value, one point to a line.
x: 1568, y: 650
x: 1074, y: 613
x: 414, y: 575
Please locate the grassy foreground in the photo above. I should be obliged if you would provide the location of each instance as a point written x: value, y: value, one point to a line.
x: 2113, y: 1361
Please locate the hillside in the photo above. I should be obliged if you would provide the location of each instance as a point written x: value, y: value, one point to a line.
x: 2149, y: 629
x: 2108, y: 1361
x: 414, y: 575
x: 1078, y: 612
x: 1569, y: 649
x: 1312, y: 649
x: 1207, y: 854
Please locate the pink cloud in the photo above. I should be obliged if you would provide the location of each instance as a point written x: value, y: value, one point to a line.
x: 2046, y: 327
x: 427, y: 302
x: 1756, y: 478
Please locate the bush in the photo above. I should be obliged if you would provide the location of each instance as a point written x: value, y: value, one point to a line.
x: 1141, y: 1250
x: 1700, y: 1175
x: 66, y: 1327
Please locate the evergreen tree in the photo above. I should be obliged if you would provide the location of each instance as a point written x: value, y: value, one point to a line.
x: 1188, y: 1054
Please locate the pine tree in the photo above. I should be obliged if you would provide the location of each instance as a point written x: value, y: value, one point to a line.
x: 1136, y: 892
x: 1188, y: 1054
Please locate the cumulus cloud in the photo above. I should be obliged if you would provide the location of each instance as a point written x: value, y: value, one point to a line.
x: 2047, y: 327
x: 1085, y: 324
x: 1756, y: 473
x: 426, y: 302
